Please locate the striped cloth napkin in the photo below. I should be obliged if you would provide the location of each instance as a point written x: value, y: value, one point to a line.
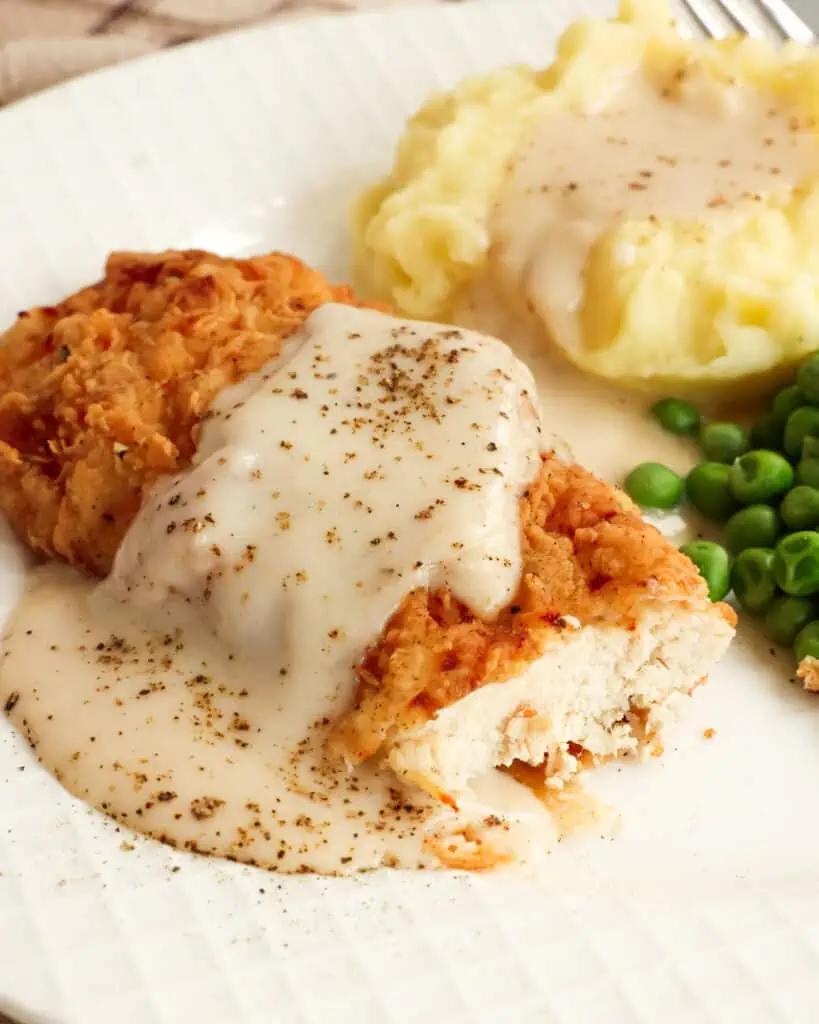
x: 43, y: 42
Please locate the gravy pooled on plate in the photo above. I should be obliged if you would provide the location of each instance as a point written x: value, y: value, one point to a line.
x: 190, y: 694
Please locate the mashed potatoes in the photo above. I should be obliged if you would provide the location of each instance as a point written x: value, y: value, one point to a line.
x: 423, y: 231
x: 694, y: 305
x: 702, y: 270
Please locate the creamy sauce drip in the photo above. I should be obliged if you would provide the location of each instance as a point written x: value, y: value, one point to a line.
x: 683, y: 150
x: 180, y: 738
x: 605, y: 429
x: 379, y: 456
x: 190, y: 695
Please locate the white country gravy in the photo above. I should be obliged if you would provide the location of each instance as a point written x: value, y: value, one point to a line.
x: 606, y: 429
x: 679, y: 149
x: 212, y: 751
x: 189, y: 696
x: 378, y: 456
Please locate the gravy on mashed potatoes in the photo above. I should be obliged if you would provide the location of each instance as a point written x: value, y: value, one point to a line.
x: 654, y: 201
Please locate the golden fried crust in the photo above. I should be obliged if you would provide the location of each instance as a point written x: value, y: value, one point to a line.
x: 104, y: 392
x: 587, y: 553
x: 808, y: 674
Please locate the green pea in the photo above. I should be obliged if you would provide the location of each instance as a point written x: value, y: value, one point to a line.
x: 760, y: 476
x: 801, y: 423
x: 724, y: 442
x: 808, y: 377
x: 785, y: 401
x: 752, y: 579
x: 676, y: 416
x: 653, y: 485
x: 767, y: 432
x: 807, y: 469
x: 709, y: 491
x: 755, y: 526
x: 806, y: 644
x: 713, y: 564
x: 786, y: 616
x: 807, y: 472
x: 796, y: 566
x: 800, y: 508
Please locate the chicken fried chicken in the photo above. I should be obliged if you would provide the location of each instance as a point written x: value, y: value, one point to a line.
x: 103, y: 393
x: 610, y: 623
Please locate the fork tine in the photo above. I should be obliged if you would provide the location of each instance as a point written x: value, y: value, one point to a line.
x: 747, y: 18
x: 759, y: 18
x: 706, y: 15
x: 787, y: 21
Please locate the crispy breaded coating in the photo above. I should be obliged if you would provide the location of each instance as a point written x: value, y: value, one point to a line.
x: 587, y: 554
x: 104, y: 392
x: 808, y: 674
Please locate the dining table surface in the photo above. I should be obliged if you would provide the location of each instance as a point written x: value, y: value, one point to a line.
x: 43, y: 42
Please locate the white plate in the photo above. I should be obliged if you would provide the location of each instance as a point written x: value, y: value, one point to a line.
x: 705, y: 908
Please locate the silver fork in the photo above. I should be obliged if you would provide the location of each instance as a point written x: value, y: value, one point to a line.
x: 759, y: 18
